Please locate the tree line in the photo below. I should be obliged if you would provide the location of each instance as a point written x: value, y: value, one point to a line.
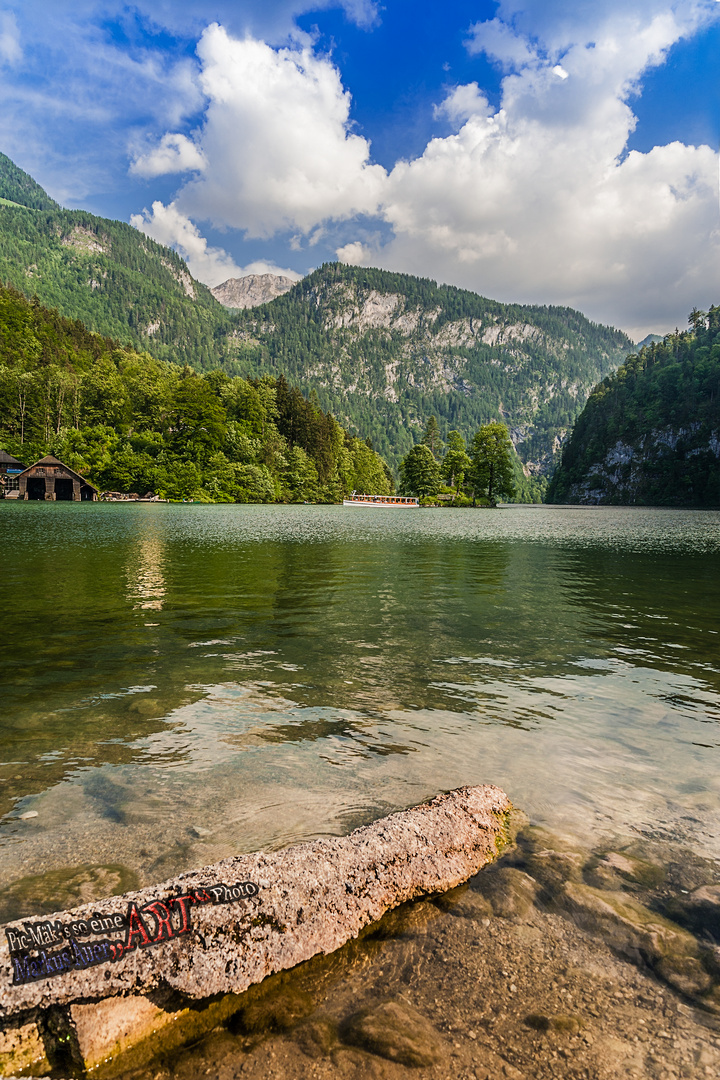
x: 460, y: 475
x: 132, y: 423
x: 663, y: 403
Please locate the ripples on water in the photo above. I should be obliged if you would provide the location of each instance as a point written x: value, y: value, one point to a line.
x: 188, y: 682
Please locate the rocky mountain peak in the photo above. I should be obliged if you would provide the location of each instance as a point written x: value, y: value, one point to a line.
x: 251, y: 290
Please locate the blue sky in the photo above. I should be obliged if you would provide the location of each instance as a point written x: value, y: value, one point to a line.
x: 533, y: 150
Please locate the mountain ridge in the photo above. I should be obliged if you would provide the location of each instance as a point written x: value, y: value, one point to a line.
x: 381, y: 350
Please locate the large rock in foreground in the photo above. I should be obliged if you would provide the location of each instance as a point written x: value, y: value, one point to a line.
x: 220, y: 929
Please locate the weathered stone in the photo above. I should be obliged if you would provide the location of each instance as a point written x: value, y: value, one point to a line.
x: 310, y: 900
x: 395, y: 1031
x: 107, y: 1028
x: 560, y: 1023
x: 317, y: 1038
x: 471, y: 905
x: 640, y: 934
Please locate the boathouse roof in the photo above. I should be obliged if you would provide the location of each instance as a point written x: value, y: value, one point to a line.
x: 8, y: 459
x: 52, y: 462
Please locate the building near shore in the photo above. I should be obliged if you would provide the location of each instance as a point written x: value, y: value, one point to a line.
x: 10, y: 469
x: 51, y: 480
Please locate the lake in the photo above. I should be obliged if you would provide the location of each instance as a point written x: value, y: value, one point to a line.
x: 186, y: 682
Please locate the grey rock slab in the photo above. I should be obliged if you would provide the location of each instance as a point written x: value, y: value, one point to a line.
x: 308, y: 899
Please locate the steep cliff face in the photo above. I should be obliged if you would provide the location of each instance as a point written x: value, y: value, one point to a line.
x: 391, y: 349
x: 685, y: 458
x: 650, y: 434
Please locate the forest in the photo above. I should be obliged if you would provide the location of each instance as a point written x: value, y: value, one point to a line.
x: 446, y: 354
x: 650, y: 433
x: 130, y: 422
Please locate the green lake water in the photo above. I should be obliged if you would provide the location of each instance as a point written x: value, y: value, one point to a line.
x: 183, y: 683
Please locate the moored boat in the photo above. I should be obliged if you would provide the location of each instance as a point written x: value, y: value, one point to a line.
x: 396, y: 502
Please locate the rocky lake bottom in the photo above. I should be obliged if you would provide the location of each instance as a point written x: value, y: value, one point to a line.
x: 553, y: 962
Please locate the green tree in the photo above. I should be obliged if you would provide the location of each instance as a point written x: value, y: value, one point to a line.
x: 456, y: 461
x: 420, y: 472
x: 197, y: 418
x: 491, y: 468
x: 431, y: 438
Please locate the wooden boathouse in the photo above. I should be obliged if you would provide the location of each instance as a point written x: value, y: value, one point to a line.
x: 10, y: 469
x: 49, y: 479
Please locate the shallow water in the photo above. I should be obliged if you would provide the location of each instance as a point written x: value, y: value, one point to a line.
x: 184, y: 683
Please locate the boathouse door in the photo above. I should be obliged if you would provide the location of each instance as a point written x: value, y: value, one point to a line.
x: 64, y: 490
x: 36, y: 487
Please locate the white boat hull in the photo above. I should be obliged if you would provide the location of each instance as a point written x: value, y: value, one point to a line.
x: 381, y: 505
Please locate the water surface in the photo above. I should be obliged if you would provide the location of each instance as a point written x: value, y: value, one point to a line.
x: 182, y: 683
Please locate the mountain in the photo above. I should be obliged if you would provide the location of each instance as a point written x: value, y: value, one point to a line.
x: 251, y: 290
x: 650, y: 433
x: 116, y: 280
x: 649, y: 339
x: 19, y: 188
x: 382, y: 351
x: 130, y: 422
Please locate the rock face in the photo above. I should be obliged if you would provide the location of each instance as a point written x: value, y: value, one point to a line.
x: 221, y: 929
x: 251, y: 290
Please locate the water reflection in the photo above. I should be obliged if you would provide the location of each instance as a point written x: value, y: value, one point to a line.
x: 145, y: 574
x: 274, y: 673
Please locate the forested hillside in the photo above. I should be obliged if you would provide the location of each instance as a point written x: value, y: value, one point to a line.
x: 382, y: 351
x: 650, y: 433
x: 385, y: 351
x: 118, y: 281
x: 131, y: 422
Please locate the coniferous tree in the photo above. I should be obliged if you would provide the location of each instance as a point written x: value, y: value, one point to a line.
x: 431, y: 438
x: 420, y: 472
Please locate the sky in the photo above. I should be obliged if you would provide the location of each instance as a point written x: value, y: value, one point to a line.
x: 535, y: 151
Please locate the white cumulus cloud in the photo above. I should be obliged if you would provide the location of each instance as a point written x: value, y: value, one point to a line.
x: 538, y: 201
x: 541, y: 202
x: 173, y: 154
x: 354, y: 254
x: 170, y: 227
x: 211, y: 265
x: 462, y: 102
x: 277, y: 141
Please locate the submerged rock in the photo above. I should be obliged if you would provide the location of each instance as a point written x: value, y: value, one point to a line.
x: 549, y: 860
x: 395, y: 1031
x: 511, y: 893
x: 700, y: 911
x: 640, y: 934
x: 614, y: 869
